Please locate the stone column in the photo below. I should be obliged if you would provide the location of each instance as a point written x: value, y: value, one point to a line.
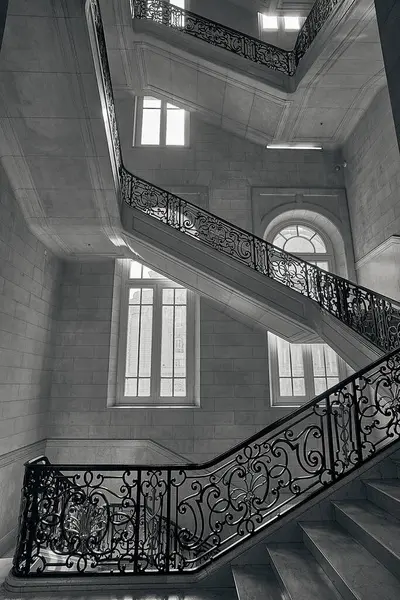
x: 388, y: 16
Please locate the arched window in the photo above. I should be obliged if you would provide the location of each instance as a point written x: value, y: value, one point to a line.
x: 299, y: 372
x: 306, y: 243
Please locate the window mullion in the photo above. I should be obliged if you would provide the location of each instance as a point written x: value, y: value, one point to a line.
x: 308, y: 371
x: 163, y: 136
x: 156, y: 349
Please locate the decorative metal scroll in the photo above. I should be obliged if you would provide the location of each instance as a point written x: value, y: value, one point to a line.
x: 241, y: 44
x: 176, y: 519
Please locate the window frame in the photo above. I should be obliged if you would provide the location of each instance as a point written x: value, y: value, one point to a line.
x: 155, y: 399
x: 277, y: 400
x: 317, y: 257
x: 138, y: 124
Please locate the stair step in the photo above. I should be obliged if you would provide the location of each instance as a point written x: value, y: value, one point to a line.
x: 299, y: 574
x: 353, y: 570
x: 256, y: 583
x: 386, y: 494
x: 374, y: 528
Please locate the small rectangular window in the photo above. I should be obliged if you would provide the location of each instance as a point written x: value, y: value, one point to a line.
x: 291, y: 23
x: 269, y: 22
x: 160, y: 123
x: 151, y: 121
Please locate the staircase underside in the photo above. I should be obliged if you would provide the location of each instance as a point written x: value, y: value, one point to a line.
x: 336, y: 80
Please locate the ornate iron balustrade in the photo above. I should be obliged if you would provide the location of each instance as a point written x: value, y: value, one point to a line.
x: 241, y: 44
x: 372, y: 315
x: 91, y: 519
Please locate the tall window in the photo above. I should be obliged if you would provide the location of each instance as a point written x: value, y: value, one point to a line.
x: 157, y: 341
x: 160, y: 123
x: 301, y: 371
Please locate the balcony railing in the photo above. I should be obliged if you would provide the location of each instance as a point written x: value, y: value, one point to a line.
x: 130, y: 519
x: 241, y: 44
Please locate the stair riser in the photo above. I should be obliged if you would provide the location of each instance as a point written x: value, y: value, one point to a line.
x: 286, y: 595
x: 333, y: 575
x: 391, y: 505
x: 381, y: 553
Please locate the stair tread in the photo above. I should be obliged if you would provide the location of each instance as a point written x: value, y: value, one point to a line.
x: 374, y: 520
x: 363, y: 574
x: 256, y: 583
x: 391, y: 487
x: 302, y: 576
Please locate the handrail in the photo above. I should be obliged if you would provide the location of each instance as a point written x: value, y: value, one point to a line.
x: 241, y: 44
x: 201, y: 512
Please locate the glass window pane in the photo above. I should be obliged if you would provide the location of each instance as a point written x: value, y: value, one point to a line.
x: 332, y: 381
x: 175, y: 127
x: 168, y: 296
x: 306, y: 232
x: 144, y: 387
x: 146, y: 334
x: 320, y: 385
x: 166, y: 387
x: 322, y: 264
x: 150, y: 102
x: 179, y: 387
x: 132, y: 344
x: 134, y: 295
x: 292, y: 23
x: 289, y: 232
x: 130, y: 387
x: 317, y: 351
x: 180, y: 342
x: 279, y: 241
x: 299, y: 244
x: 269, y: 22
x: 180, y: 296
x: 318, y: 244
x: 167, y: 341
x: 151, y: 126
x: 147, y: 296
x: 299, y: 388
x: 283, y: 357
x: 179, y: 3
x: 296, y: 351
x: 331, y: 360
x: 135, y: 271
x: 285, y: 387
x: 149, y: 273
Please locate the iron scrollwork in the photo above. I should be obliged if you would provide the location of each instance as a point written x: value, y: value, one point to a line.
x: 241, y: 44
x: 169, y: 519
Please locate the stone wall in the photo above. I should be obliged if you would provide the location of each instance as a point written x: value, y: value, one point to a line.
x: 373, y: 183
x: 28, y: 294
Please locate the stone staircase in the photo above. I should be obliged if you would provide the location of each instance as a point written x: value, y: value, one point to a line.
x: 354, y: 556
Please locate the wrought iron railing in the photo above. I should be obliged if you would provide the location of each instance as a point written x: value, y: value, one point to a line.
x: 91, y: 519
x: 241, y: 44
x: 372, y: 315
